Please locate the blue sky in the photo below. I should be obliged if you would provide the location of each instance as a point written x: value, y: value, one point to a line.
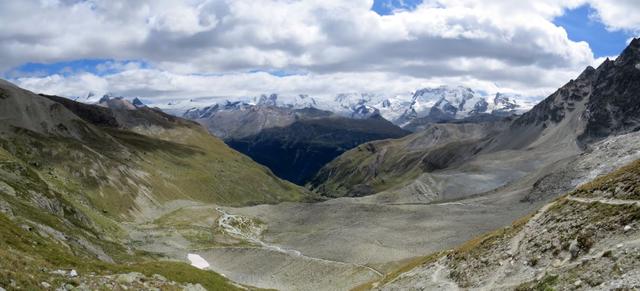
x: 99, y: 67
x: 582, y: 25
x: 386, y: 7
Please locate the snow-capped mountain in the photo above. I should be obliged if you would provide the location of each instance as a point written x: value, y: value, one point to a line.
x: 208, y: 111
x: 448, y: 103
x: 354, y: 105
x: 428, y: 104
x: 422, y: 106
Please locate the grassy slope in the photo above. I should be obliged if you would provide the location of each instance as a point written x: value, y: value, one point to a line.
x: 108, y: 176
x: 149, y: 153
x: 624, y: 183
x: 30, y: 241
x: 26, y: 259
x: 382, y: 165
x: 201, y: 167
x: 375, y: 166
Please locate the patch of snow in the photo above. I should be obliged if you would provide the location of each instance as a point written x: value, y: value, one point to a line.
x: 197, y: 261
x: 638, y: 66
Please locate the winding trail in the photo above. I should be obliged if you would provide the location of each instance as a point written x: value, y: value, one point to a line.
x: 605, y: 201
x: 498, y: 280
x: 514, y: 246
x: 517, y: 239
x: 225, y: 222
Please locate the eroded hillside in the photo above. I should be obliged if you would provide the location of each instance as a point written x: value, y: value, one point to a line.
x: 587, y: 239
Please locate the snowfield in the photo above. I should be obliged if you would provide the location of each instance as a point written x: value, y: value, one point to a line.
x: 197, y: 261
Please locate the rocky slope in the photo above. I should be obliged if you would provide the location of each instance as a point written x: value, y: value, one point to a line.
x: 76, y: 178
x: 296, y: 152
x: 585, y: 240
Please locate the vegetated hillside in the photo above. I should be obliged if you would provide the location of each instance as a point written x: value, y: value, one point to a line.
x: 50, y: 239
x: 296, y: 152
x: 599, y: 103
x: 587, y: 239
x: 148, y: 157
x: 71, y: 173
x: 379, y: 165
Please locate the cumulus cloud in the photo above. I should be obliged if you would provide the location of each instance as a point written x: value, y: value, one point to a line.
x: 206, y: 47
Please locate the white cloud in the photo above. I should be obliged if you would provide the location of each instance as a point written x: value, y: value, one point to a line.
x: 205, y: 47
x: 619, y: 14
x: 159, y: 86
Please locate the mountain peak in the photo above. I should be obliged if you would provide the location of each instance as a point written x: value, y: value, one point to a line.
x: 630, y: 55
x: 105, y: 98
x: 270, y: 100
x: 588, y: 71
x: 138, y: 103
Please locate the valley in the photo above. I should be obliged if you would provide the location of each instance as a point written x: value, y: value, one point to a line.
x: 451, y: 184
x: 440, y: 188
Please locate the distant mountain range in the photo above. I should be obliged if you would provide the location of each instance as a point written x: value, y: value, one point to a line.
x: 439, y: 104
x: 599, y: 103
x: 410, y: 111
x: 426, y: 105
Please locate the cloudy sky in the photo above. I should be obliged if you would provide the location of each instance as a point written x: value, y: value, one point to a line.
x: 159, y: 49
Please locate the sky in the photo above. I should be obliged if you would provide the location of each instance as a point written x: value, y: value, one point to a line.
x: 167, y: 50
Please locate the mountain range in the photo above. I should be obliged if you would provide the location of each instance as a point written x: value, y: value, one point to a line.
x: 429, y: 104
x: 117, y: 194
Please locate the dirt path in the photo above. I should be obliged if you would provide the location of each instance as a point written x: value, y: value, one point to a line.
x: 517, y: 239
x: 514, y: 246
x: 605, y: 201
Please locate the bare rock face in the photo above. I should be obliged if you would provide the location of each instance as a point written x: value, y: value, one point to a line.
x: 605, y: 100
x: 614, y: 104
